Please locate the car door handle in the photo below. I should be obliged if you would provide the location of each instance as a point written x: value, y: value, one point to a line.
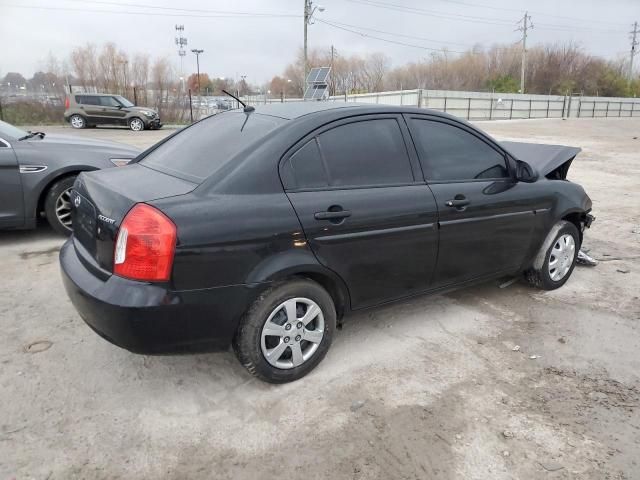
x: 457, y: 202
x: 329, y: 215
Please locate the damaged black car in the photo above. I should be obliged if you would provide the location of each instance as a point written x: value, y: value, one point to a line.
x: 263, y: 227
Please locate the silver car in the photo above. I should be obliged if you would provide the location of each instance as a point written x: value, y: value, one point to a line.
x: 37, y: 171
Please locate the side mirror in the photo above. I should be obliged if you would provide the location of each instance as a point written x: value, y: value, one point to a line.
x: 119, y: 106
x: 525, y: 172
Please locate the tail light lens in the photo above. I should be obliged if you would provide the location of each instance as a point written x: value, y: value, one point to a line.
x: 66, y: 103
x: 145, y: 245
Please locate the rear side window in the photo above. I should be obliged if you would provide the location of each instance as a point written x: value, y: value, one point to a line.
x: 449, y: 153
x: 366, y: 153
x: 87, y: 100
x: 307, y: 168
x: 201, y: 149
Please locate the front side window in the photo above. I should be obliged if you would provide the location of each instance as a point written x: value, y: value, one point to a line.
x: 449, y: 153
x: 125, y: 103
x: 108, y: 102
x: 366, y: 153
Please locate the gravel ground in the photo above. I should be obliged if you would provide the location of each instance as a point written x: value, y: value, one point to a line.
x: 429, y: 388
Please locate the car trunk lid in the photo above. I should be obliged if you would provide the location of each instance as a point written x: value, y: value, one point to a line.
x: 551, y: 161
x: 100, y: 201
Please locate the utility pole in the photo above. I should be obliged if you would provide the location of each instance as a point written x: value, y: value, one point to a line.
x: 526, y: 25
x: 181, y: 42
x: 198, y: 52
x: 333, y: 54
x: 309, y: 10
x: 634, y: 44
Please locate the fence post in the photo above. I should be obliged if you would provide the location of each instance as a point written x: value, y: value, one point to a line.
x: 606, y: 113
x: 593, y: 112
x: 529, y: 108
x: 491, y: 108
x: 579, y: 106
x: 633, y: 104
x: 135, y: 97
x: 469, y: 109
x: 190, y: 106
x: 1, y: 114
x: 445, y: 104
x: 620, y: 109
x: 548, y: 101
x: 569, y: 107
x: 419, y: 98
x: 511, y: 110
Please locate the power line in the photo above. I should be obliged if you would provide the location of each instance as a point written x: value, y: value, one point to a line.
x: 193, y: 10
x: 470, y: 18
x: 543, y: 14
x: 147, y: 14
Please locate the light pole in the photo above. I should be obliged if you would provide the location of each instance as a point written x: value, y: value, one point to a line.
x: 309, y: 10
x: 198, y: 52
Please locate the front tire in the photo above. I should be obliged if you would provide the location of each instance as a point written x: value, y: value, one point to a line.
x: 77, y: 121
x: 136, y: 124
x: 561, y: 250
x: 57, y: 205
x: 286, y: 332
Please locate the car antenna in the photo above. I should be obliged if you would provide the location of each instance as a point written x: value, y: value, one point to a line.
x: 247, y: 108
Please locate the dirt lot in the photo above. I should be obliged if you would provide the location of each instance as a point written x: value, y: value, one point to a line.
x: 430, y: 388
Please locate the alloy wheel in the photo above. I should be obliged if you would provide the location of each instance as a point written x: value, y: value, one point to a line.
x: 292, y: 333
x: 77, y: 121
x: 63, y: 208
x: 561, y: 257
x: 136, y: 125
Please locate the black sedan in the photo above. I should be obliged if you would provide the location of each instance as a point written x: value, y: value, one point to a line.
x: 37, y: 172
x: 263, y: 227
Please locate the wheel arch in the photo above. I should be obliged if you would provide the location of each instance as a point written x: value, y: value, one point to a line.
x: 303, y: 264
x: 49, y: 182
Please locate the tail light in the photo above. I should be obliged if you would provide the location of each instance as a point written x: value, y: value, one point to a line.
x: 145, y: 245
x: 66, y: 103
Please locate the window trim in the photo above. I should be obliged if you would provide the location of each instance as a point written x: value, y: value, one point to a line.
x: 476, y: 133
x: 5, y: 143
x: 412, y: 157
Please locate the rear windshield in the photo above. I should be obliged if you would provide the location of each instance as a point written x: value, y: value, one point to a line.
x: 198, y: 151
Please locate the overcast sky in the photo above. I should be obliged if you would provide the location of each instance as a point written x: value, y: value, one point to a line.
x: 260, y: 47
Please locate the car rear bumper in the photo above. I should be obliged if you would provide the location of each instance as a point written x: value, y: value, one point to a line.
x: 151, y: 319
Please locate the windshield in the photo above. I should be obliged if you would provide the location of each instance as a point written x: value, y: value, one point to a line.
x: 199, y: 150
x: 10, y: 132
x: 124, y: 101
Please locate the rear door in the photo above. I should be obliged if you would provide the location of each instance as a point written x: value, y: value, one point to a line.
x: 90, y: 104
x: 11, y: 199
x: 486, y: 217
x: 364, y: 207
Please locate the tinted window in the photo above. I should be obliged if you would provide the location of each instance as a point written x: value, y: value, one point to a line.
x: 451, y: 153
x: 306, y: 166
x: 87, y: 100
x: 199, y: 150
x: 108, y: 101
x: 370, y: 152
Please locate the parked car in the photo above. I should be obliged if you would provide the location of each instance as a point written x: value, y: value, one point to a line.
x: 91, y: 109
x: 263, y: 227
x: 37, y: 172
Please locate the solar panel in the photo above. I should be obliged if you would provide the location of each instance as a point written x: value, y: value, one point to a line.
x: 318, y: 75
x: 317, y: 87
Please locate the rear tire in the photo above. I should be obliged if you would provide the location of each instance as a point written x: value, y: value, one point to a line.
x: 77, y: 121
x: 295, y: 341
x: 57, y: 206
x: 561, y: 250
x: 136, y: 124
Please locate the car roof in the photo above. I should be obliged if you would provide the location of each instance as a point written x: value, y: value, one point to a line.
x: 297, y: 109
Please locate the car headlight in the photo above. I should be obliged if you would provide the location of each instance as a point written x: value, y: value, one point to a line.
x: 148, y: 114
x: 120, y: 162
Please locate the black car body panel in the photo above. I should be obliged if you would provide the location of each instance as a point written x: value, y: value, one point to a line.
x: 29, y: 167
x: 253, y: 222
x: 547, y: 159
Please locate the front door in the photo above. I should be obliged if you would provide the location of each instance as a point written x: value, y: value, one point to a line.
x: 364, y: 207
x: 486, y: 217
x: 112, y: 110
x: 11, y: 199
